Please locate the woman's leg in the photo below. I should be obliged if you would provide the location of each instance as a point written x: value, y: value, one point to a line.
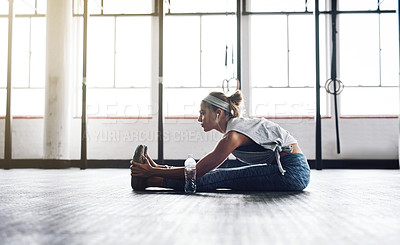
x: 258, y: 177
x: 233, y: 164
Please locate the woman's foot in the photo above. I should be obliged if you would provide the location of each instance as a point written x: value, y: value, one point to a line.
x: 138, y: 183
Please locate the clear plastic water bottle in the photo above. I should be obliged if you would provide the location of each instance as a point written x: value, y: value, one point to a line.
x: 190, y: 174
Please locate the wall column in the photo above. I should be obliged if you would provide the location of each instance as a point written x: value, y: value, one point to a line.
x: 58, y: 80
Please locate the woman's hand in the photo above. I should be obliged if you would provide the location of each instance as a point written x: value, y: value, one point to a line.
x: 142, y: 170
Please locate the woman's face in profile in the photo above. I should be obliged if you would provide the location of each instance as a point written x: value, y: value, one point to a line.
x: 206, y: 117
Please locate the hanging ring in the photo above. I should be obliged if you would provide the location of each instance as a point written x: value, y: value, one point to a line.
x: 329, y: 85
x: 227, y: 81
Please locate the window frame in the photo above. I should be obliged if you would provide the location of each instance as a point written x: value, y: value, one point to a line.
x: 329, y: 100
x: 379, y: 12
x: 94, y: 87
x: 244, y: 13
x: 201, y: 86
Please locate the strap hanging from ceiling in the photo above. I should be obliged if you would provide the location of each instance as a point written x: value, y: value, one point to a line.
x: 229, y: 66
x: 333, y: 80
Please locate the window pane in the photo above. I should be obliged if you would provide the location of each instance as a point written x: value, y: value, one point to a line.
x: 42, y: 6
x: 118, y: 103
x: 94, y: 6
x: 358, y: 4
x: 311, y: 5
x: 196, y: 6
x: 4, y: 6
x: 278, y: 102
x: 218, y: 32
x: 24, y: 7
x: 77, y: 64
x: 277, y: 5
x: 268, y: 55
x: 389, y: 50
x: 78, y: 6
x: 133, y: 58
x: 3, y: 101
x: 38, y: 53
x: 27, y: 102
x: 359, y: 49
x: 184, y: 101
x: 302, y: 50
x: 100, y: 61
x: 388, y: 4
x: 20, y: 53
x: 322, y: 50
x: 182, y: 51
x: 3, y: 51
x: 127, y: 6
x: 370, y: 101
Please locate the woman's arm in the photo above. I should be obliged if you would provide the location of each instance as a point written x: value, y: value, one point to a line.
x: 221, y: 152
x: 209, y: 162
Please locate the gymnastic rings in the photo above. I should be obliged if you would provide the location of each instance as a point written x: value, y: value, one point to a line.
x: 225, y: 89
x: 330, y: 88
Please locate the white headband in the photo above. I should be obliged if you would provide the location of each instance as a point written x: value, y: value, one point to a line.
x: 217, y: 102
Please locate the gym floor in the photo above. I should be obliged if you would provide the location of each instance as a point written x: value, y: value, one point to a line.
x: 98, y: 206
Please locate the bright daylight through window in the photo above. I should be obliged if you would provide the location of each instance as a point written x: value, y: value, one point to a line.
x: 200, y: 52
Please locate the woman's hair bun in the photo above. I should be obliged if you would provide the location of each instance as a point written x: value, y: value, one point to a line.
x: 236, y: 98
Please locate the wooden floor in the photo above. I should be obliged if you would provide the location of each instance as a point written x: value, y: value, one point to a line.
x: 97, y: 206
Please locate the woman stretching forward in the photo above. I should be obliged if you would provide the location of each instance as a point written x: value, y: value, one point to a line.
x: 268, y: 157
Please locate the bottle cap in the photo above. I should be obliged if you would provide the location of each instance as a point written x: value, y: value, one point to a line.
x: 190, y: 155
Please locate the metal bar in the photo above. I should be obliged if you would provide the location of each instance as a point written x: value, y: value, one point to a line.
x: 23, y: 15
x: 160, y: 82
x: 239, y: 42
x: 200, y: 14
x: 334, y: 73
x: 318, y: 134
x: 398, y: 25
x: 288, y: 51
x: 115, y: 49
x: 115, y: 15
x: 216, y: 87
x: 8, y: 126
x: 321, y: 12
x: 30, y: 52
x: 366, y: 12
x: 83, y: 161
x: 347, y: 86
x: 380, y: 50
x: 201, y: 49
x: 222, y: 13
x: 277, y: 13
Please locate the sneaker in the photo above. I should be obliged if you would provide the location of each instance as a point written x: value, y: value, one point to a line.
x: 139, y: 183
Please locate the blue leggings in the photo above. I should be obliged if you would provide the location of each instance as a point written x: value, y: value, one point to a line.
x: 253, y: 177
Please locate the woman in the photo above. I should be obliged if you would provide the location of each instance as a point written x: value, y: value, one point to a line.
x: 268, y: 157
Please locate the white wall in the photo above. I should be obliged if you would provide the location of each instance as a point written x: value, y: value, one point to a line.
x: 116, y: 139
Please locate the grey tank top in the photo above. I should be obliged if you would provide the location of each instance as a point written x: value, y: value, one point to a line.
x: 271, y: 139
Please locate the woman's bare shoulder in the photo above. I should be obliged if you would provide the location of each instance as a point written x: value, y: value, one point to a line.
x: 239, y: 138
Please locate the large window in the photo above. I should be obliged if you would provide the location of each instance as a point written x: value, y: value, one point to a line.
x: 3, y: 62
x: 28, y: 57
x: 199, y: 52
x: 368, y: 58
x: 282, y: 59
x: 119, y: 58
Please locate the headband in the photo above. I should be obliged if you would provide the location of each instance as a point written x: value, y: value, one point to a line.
x: 217, y: 102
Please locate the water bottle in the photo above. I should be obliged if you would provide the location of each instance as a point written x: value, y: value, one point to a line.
x: 190, y: 174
